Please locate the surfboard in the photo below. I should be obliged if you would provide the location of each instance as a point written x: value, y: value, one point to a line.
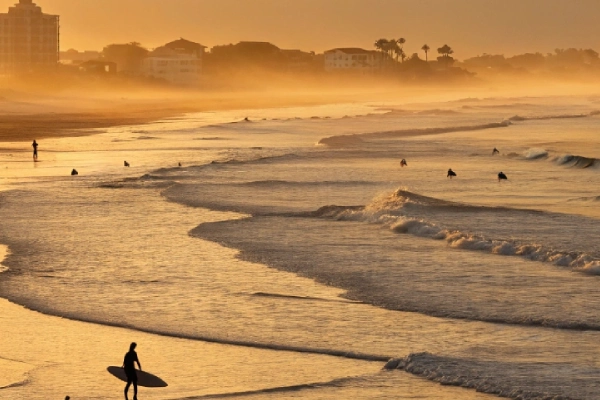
x: 145, y: 379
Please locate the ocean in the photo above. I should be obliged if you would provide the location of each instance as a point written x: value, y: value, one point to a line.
x: 285, y: 253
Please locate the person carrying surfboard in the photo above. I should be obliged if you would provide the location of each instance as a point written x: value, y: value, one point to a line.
x: 129, y: 366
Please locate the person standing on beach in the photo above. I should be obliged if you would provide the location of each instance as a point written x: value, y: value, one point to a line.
x: 35, y: 146
x: 129, y: 366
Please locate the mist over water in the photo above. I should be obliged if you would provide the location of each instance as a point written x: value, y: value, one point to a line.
x: 298, y: 230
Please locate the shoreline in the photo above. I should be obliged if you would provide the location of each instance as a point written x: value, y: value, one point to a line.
x: 27, y: 117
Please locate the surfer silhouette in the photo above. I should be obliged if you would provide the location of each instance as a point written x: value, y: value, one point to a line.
x: 501, y: 176
x: 450, y: 173
x: 35, y: 146
x: 403, y: 163
x: 129, y: 366
x: 495, y: 151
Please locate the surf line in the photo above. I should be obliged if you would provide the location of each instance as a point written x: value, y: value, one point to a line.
x: 269, y: 346
x: 231, y: 342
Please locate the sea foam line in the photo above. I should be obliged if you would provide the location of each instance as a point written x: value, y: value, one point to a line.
x: 279, y: 389
x: 3, y: 255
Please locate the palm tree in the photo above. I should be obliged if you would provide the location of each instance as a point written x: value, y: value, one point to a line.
x: 401, y: 42
x: 381, y: 44
x: 445, y: 51
x: 397, y: 52
x: 401, y: 53
x: 425, y: 48
x: 400, y: 49
x: 393, y: 48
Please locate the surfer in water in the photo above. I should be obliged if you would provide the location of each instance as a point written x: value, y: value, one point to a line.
x: 502, y: 176
x: 35, y: 146
x: 495, y: 151
x: 129, y: 366
x: 403, y: 163
x: 450, y: 173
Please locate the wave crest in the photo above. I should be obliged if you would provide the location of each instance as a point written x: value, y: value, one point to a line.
x: 577, y: 161
x: 514, y: 380
x: 536, y: 154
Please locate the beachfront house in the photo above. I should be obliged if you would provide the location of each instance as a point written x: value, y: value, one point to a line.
x: 178, y: 62
x: 352, y: 59
x: 29, y: 39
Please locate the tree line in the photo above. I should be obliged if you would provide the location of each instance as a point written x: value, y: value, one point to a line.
x: 393, y: 49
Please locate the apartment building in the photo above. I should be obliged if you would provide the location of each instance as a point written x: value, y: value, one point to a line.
x: 29, y: 39
x: 178, y: 62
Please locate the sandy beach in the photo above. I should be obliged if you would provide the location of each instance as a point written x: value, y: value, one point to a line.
x: 187, y: 275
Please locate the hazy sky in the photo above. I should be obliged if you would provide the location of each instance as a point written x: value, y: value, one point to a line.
x: 470, y: 27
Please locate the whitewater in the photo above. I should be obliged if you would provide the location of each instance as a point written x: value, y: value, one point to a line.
x: 285, y: 253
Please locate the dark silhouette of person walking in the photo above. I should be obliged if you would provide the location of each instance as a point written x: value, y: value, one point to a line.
x: 35, y: 146
x: 129, y: 366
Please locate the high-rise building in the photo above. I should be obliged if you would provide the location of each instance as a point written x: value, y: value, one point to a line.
x: 29, y: 39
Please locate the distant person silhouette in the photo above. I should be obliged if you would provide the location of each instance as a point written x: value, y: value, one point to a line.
x: 35, y: 146
x: 129, y: 366
x: 67, y: 398
x: 125, y: 163
x: 450, y: 173
x: 495, y: 151
x: 403, y: 163
x: 74, y: 172
x: 501, y: 176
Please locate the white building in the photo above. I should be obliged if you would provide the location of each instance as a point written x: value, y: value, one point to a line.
x: 352, y: 59
x: 178, y: 62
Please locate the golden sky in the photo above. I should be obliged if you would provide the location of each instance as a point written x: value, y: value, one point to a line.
x: 470, y: 27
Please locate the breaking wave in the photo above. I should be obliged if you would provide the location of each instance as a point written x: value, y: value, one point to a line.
x: 519, y: 118
x: 536, y: 154
x: 568, y: 160
x: 577, y: 161
x: 389, y: 212
x: 513, y: 380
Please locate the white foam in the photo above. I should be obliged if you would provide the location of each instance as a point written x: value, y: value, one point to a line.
x: 387, y: 211
x: 3, y: 254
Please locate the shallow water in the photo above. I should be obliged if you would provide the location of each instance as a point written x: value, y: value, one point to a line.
x: 297, y: 239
